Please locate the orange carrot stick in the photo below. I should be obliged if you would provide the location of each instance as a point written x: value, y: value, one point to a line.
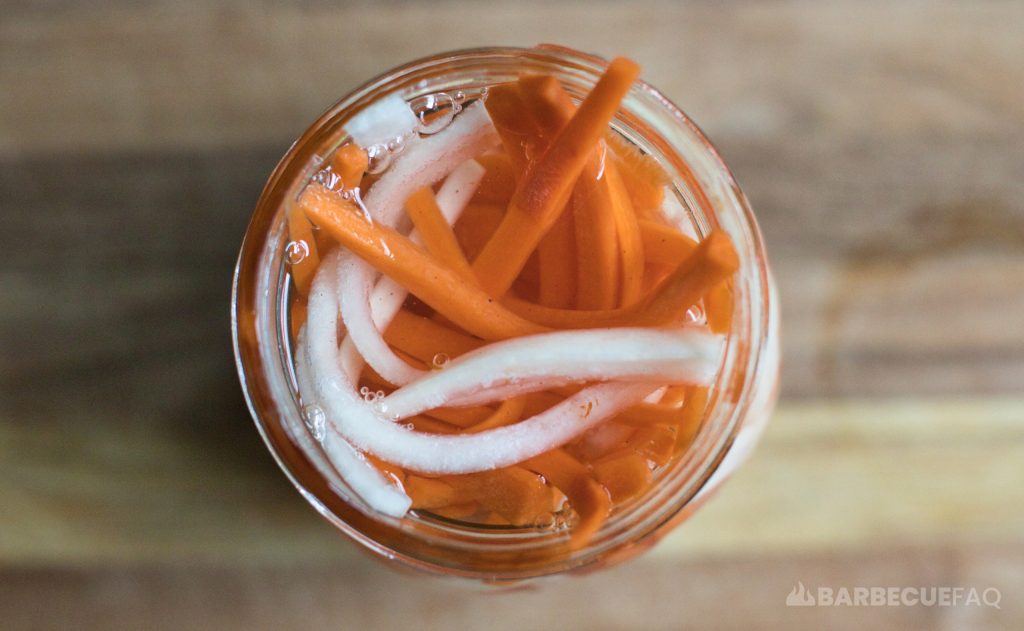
x: 510, y: 411
x: 517, y: 495
x: 431, y: 425
x: 505, y: 106
x: 712, y: 261
x: 457, y: 511
x: 610, y: 230
x: 436, y: 232
x: 597, y: 241
x: 499, y: 181
x: 630, y: 243
x: 424, y: 338
x: 296, y: 317
x: 429, y: 493
x: 625, y: 474
x: 396, y: 256
x: 476, y: 225
x: 663, y: 244
x: 588, y: 498
x: 462, y: 417
x: 718, y: 307
x: 393, y: 471
x: 655, y: 443
x: 545, y: 188
x: 350, y: 162
x: 557, y: 260
x: 644, y: 177
x: 693, y: 413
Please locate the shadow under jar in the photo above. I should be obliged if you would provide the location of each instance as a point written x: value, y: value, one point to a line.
x: 701, y: 196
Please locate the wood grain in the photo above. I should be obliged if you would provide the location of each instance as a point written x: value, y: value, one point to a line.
x: 719, y: 594
x: 827, y: 476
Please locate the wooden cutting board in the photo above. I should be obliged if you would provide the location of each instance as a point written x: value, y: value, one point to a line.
x: 880, y: 145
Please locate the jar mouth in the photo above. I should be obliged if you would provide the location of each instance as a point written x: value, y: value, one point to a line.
x: 702, y: 183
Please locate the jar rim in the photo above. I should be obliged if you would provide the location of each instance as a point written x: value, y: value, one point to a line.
x: 262, y: 361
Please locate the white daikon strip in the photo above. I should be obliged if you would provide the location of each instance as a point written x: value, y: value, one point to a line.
x: 362, y: 477
x: 355, y: 281
x: 686, y: 355
x: 427, y: 161
x: 382, y: 122
x: 367, y: 429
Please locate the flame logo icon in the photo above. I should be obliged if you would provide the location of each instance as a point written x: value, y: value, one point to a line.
x: 799, y: 596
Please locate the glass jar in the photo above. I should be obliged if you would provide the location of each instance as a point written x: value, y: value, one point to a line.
x: 707, y: 197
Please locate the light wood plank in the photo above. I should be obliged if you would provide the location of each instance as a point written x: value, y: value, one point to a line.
x: 719, y: 594
x: 828, y: 476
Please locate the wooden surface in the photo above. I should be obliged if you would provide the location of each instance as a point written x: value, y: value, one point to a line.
x: 881, y: 147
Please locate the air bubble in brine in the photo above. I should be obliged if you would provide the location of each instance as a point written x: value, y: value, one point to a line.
x: 435, y: 111
x: 315, y: 420
x: 379, y: 159
x: 441, y: 360
x: 370, y: 396
x: 694, y: 314
x: 296, y: 251
x: 396, y: 145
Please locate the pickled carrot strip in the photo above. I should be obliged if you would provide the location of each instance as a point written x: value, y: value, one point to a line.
x: 557, y: 262
x: 655, y: 443
x: 517, y: 495
x: 510, y: 411
x: 395, y: 472
x: 462, y: 417
x: 539, y: 362
x: 718, y: 305
x: 545, y: 188
x: 608, y: 230
x: 713, y: 261
x: 300, y: 235
x: 647, y: 414
x: 693, y: 413
x: 597, y: 242
x: 394, y: 255
x: 547, y: 104
x: 427, y: 493
x: 550, y: 108
x: 424, y: 339
x: 350, y: 162
x: 296, y: 317
x: 663, y: 244
x: 457, y: 511
x: 644, y: 177
x: 432, y: 425
x: 436, y: 233
x: 625, y: 474
x: 477, y: 224
x: 586, y: 496
x: 505, y: 106
x: 499, y: 181
x: 630, y: 243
